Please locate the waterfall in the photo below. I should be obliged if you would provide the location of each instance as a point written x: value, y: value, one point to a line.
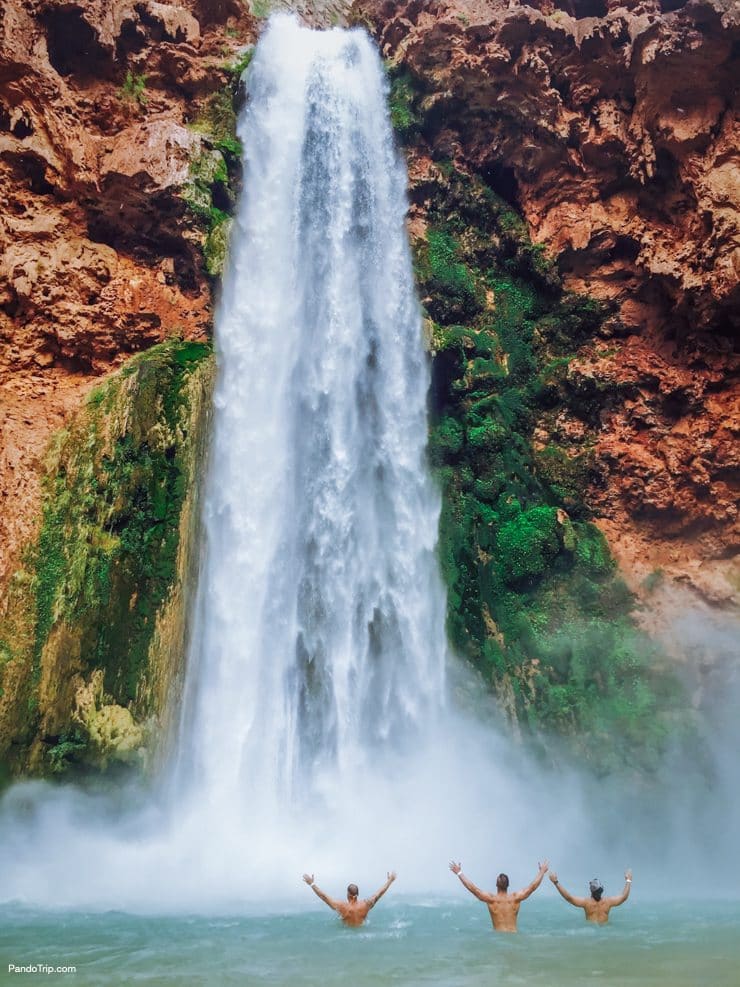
x: 318, y: 636
x: 314, y: 733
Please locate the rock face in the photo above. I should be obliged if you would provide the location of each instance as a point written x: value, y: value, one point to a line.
x: 613, y: 127
x: 92, y: 633
x: 116, y: 156
x: 100, y: 255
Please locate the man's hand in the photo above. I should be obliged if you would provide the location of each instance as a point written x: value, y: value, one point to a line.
x: 628, y: 875
x: 553, y: 877
x: 391, y: 876
x: 308, y: 878
x: 455, y: 868
x: 544, y: 867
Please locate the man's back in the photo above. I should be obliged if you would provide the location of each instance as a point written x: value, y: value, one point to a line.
x: 596, y: 907
x: 503, y: 906
x: 503, y: 909
x: 598, y: 911
x: 353, y: 912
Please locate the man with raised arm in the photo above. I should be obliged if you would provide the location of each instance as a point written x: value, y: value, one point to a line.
x: 596, y: 907
x: 504, y: 905
x: 352, y: 911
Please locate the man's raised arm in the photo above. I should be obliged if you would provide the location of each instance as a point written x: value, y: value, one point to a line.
x: 578, y: 902
x: 526, y: 892
x: 621, y: 898
x: 372, y: 902
x: 480, y: 895
x: 308, y: 878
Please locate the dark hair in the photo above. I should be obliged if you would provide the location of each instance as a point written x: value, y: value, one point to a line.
x: 502, y: 882
x: 352, y: 890
x: 596, y: 889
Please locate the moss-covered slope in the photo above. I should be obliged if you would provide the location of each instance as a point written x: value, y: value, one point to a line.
x: 92, y: 631
x: 534, y: 598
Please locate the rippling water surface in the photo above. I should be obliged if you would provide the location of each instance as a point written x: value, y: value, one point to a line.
x: 408, y: 942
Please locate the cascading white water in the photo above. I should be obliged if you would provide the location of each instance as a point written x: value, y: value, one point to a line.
x: 319, y: 625
x: 314, y: 732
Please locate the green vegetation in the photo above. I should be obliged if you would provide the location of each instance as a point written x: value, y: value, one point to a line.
x: 261, y: 8
x: 241, y: 63
x: 215, y: 172
x: 216, y: 121
x: 88, y: 604
x: 453, y: 293
x: 216, y: 246
x: 110, y: 524
x: 534, y: 599
x: 69, y: 748
x: 133, y: 89
x: 403, y: 100
x: 210, y: 183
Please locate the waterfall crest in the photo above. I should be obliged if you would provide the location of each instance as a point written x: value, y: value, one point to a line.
x: 319, y: 626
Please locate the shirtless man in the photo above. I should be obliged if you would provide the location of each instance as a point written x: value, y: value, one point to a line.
x: 596, y: 907
x: 504, y: 905
x: 352, y: 911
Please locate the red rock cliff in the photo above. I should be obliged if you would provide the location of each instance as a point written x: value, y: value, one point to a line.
x: 99, y: 254
x: 613, y: 127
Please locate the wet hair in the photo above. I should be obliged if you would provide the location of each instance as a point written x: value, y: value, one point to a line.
x: 502, y: 882
x: 596, y: 889
x: 352, y: 890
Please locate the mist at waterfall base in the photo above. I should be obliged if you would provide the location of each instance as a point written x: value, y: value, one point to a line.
x: 317, y: 733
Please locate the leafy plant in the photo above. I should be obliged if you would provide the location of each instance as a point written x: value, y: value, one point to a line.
x: 402, y: 99
x: 451, y: 288
x: 242, y: 62
x: 133, y: 89
x: 66, y: 751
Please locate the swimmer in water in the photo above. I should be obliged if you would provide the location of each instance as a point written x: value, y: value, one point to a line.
x: 597, y: 907
x: 352, y: 911
x: 503, y: 906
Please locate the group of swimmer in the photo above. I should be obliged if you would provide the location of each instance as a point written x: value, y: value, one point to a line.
x: 503, y: 905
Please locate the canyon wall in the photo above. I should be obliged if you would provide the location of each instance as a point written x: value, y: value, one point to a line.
x: 574, y: 183
x: 612, y: 128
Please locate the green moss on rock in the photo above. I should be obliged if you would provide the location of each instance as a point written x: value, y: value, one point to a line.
x: 453, y: 294
x: 403, y: 100
x: 527, y: 545
x: 534, y: 597
x: 216, y: 247
x: 106, y: 564
x: 215, y: 171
